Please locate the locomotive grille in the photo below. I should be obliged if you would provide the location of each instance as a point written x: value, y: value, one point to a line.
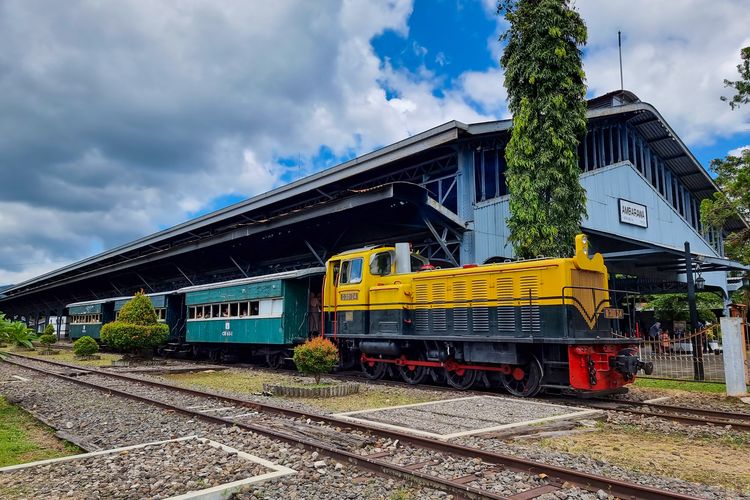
x: 460, y: 312
x: 421, y: 315
x: 422, y: 320
x: 480, y: 315
x: 506, y: 314
x: 439, y: 296
x: 530, y: 318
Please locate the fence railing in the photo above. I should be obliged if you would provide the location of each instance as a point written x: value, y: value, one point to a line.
x: 682, y: 357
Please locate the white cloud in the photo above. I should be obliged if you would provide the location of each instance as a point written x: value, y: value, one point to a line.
x: 123, y: 118
x: 120, y: 118
x: 739, y: 151
x: 675, y: 56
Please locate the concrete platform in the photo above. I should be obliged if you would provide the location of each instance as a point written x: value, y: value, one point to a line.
x: 451, y: 418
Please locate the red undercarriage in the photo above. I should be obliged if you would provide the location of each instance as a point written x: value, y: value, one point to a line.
x: 589, y: 370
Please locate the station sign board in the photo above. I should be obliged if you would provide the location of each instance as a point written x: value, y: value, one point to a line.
x: 633, y: 213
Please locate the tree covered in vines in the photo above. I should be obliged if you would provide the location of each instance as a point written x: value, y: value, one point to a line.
x: 546, y: 95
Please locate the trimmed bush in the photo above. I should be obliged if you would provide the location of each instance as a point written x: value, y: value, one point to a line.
x: 315, y: 357
x: 47, y: 340
x: 48, y: 330
x: 85, y: 346
x: 132, y: 338
x: 137, y: 330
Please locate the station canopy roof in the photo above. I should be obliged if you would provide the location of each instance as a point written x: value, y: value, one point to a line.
x: 292, y: 199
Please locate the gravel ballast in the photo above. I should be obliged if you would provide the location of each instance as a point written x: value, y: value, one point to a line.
x: 155, y: 471
x: 464, y: 414
x: 101, y: 421
x: 111, y: 421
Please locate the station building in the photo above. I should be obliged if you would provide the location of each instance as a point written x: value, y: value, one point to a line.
x: 444, y: 191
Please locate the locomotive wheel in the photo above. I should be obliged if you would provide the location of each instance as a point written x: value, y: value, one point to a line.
x: 461, y: 379
x: 376, y: 371
x: 413, y: 374
x: 524, y: 381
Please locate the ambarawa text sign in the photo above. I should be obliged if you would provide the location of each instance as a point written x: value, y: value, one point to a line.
x: 633, y: 213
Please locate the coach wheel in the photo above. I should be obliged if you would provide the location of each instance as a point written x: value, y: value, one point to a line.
x: 461, y: 379
x: 373, y: 370
x: 524, y: 381
x: 275, y: 360
x: 413, y: 374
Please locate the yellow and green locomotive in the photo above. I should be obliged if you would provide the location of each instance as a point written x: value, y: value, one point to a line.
x: 525, y: 325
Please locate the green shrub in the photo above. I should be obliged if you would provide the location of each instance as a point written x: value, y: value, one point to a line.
x: 47, y: 340
x: 315, y: 357
x: 139, y: 311
x: 137, y: 330
x: 132, y: 338
x: 48, y: 330
x: 85, y: 346
x: 17, y: 333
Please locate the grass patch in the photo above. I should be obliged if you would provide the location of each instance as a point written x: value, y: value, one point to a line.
x: 680, y: 385
x: 705, y: 460
x: 24, y: 439
x: 248, y: 381
x: 67, y: 356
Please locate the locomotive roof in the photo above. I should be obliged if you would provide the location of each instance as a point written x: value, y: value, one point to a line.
x: 286, y: 275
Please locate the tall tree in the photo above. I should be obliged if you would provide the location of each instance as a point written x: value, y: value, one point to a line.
x: 733, y: 199
x: 742, y: 86
x: 733, y: 179
x: 546, y: 94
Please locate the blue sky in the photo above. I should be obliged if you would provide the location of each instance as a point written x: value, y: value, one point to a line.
x: 121, y: 118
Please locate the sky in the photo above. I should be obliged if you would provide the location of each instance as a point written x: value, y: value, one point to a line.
x: 118, y: 119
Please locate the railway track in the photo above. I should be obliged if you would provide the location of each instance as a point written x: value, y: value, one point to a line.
x: 681, y: 414
x: 335, y: 437
x: 675, y: 413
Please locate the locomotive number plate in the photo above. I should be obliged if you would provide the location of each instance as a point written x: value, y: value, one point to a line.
x: 613, y: 313
x: 349, y: 295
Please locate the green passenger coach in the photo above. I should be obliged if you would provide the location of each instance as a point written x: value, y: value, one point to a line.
x: 263, y: 315
x: 87, y: 318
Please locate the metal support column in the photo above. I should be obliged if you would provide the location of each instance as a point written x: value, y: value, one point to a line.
x: 698, y: 373
x: 466, y: 196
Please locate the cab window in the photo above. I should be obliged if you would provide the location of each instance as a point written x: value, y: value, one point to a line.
x: 381, y: 264
x: 351, y: 271
x: 355, y: 271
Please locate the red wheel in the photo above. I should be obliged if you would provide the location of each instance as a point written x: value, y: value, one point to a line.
x: 413, y: 374
x: 525, y: 381
x: 373, y: 370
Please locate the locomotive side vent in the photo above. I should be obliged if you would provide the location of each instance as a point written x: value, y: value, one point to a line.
x: 480, y: 315
x: 506, y: 314
x: 460, y: 310
x: 439, y: 296
x: 530, y: 317
x: 421, y: 313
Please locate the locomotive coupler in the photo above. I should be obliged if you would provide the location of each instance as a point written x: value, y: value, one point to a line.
x: 627, y: 363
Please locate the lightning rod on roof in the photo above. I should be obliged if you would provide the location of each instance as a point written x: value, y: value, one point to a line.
x: 619, y: 45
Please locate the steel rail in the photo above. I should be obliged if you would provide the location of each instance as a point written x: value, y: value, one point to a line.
x: 592, y: 482
x: 675, y: 413
x: 361, y: 461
